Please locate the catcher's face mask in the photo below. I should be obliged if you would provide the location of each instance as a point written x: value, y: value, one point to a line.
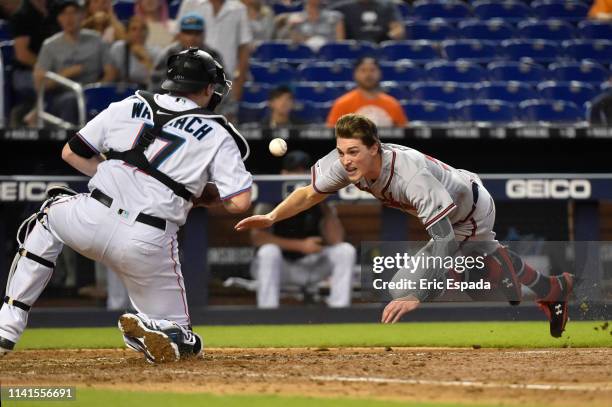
x: 222, y: 87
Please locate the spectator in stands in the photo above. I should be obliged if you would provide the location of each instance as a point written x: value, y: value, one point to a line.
x: 280, y: 102
x: 74, y: 53
x: 131, y: 58
x: 161, y: 28
x: 192, y: 34
x: 100, y: 17
x: 303, y: 250
x: 601, y: 10
x: 31, y: 24
x: 371, y: 20
x: 229, y: 32
x: 600, y: 113
x: 368, y: 99
x: 261, y: 19
x: 313, y: 26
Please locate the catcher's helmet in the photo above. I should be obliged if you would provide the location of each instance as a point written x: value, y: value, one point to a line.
x: 193, y: 69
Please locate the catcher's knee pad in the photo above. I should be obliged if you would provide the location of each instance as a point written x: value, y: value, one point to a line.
x: 501, y: 272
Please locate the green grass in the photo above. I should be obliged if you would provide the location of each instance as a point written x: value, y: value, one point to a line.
x: 103, y: 398
x: 451, y: 334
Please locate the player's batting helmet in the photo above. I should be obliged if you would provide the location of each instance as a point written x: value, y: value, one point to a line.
x: 192, y: 70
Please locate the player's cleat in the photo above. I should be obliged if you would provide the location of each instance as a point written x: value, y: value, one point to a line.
x: 137, y: 345
x: 556, y: 311
x: 6, y: 346
x: 148, y: 337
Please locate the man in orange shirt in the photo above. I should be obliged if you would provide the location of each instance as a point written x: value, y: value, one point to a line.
x: 601, y: 10
x: 367, y: 99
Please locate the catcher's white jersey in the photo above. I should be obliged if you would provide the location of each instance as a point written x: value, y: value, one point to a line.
x: 191, y: 150
x: 409, y: 180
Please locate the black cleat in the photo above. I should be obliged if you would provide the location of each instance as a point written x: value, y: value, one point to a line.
x: 6, y: 346
x: 557, y: 311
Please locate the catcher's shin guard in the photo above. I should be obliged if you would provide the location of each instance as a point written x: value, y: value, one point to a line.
x: 501, y: 273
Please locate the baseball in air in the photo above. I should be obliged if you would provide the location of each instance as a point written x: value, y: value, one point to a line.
x: 278, y: 147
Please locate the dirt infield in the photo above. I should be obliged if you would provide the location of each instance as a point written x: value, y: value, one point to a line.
x: 555, y: 377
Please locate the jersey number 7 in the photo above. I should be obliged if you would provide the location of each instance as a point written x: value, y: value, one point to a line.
x: 171, y: 144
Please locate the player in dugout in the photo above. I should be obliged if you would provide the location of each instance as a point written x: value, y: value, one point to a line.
x: 453, y: 205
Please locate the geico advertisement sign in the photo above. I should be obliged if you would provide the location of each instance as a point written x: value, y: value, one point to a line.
x: 548, y: 188
x: 29, y: 191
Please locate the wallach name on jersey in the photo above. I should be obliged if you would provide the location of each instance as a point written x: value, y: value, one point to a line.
x: 548, y: 188
x: 30, y: 191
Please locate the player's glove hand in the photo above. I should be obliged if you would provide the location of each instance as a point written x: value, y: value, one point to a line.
x: 254, y: 222
x: 210, y: 197
x: 397, y: 308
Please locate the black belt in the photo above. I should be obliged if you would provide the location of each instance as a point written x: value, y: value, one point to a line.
x: 107, y: 201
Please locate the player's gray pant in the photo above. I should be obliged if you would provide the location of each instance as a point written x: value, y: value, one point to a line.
x: 145, y: 259
x: 271, y: 271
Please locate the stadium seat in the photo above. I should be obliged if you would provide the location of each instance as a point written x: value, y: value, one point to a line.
x: 5, y: 33
x: 173, y: 8
x: 311, y: 112
x: 470, y: 50
x: 542, y: 51
x: 495, y: 29
x: 416, y: 51
x: 124, y: 9
x: 429, y: 112
x: 554, y: 29
x: 404, y: 9
x: 456, y: 71
x: 512, y: 92
x: 350, y: 50
x: 398, y: 90
x: 492, y: 111
x: 550, y: 112
x: 282, y: 51
x: 255, y: 92
x: 596, y: 30
x: 325, y: 72
x: 252, y: 112
x: 280, y: 7
x: 435, y: 30
x: 318, y: 92
x: 402, y: 71
x: 99, y: 95
x: 444, y: 92
x: 516, y: 71
x: 272, y: 73
x: 570, y: 10
x: 507, y: 10
x: 449, y: 9
x: 596, y: 50
x: 8, y: 54
x: 576, y: 92
x: 585, y: 71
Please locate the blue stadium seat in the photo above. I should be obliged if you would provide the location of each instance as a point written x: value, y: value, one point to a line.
x: 173, y: 8
x: 456, y: 71
x: 124, y: 9
x: 402, y: 71
x: 272, y: 73
x: 429, y: 112
x: 585, y: 71
x: 469, y: 50
x: 492, y: 111
x: 444, y: 92
x: 596, y: 30
x: 404, y: 9
x: 325, y: 72
x: 576, y: 92
x: 5, y: 33
x: 542, y: 51
x: 255, y: 92
x: 436, y: 30
x: 507, y: 10
x: 596, y: 50
x: 512, y: 92
x: 318, y: 92
x: 8, y: 54
x: 282, y: 51
x: 280, y: 7
x: 99, y: 95
x: 449, y: 9
x: 550, y: 111
x: 517, y: 71
x: 399, y: 90
x: 350, y: 50
x: 554, y: 29
x: 252, y: 112
x: 570, y: 10
x: 495, y: 29
x: 416, y: 50
x: 312, y: 112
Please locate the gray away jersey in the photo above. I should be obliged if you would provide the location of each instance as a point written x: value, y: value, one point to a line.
x: 191, y: 150
x: 409, y: 180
